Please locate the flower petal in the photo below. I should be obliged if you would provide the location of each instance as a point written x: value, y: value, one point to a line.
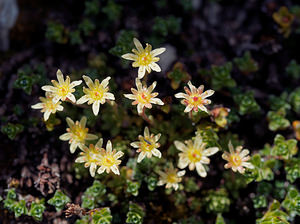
x: 180, y: 146
x: 65, y: 137
x: 95, y: 107
x: 201, y: 170
x: 141, y: 157
x: 181, y: 95
x: 38, y: 106
x: 210, y: 151
x: 155, y: 67
x: 156, y: 153
x: 207, y: 93
x: 83, y: 99
x: 93, y: 168
x: 60, y: 76
x: 130, y: 56
x: 141, y: 72
x: 157, y: 51
x: 138, y: 45
x: 108, y: 146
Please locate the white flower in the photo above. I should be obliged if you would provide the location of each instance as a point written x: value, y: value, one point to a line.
x: 170, y: 177
x: 62, y: 89
x: 96, y: 94
x: 194, y: 154
x: 147, y: 145
x: 144, y: 58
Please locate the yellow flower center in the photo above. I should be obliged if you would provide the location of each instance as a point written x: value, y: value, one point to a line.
x: 235, y: 160
x: 92, y: 155
x: 147, y: 144
x: 172, y: 178
x: 79, y: 133
x: 194, y: 155
x: 108, y: 161
x: 144, y: 97
x: 97, y: 93
x: 63, y: 90
x: 195, y: 100
x: 49, y: 105
x: 145, y: 58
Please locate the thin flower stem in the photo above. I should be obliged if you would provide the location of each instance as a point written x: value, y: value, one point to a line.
x: 144, y: 116
x: 191, y: 115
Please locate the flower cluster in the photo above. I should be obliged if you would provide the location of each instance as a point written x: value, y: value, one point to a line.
x: 193, y: 154
x: 94, y: 155
x: 63, y: 90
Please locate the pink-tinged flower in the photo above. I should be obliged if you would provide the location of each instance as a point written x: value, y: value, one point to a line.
x: 143, y: 96
x: 147, y: 145
x: 171, y: 177
x: 62, y: 89
x: 77, y: 134
x: 48, y: 106
x: 194, y: 154
x: 96, y: 94
x: 194, y: 98
x: 237, y: 159
x: 145, y: 59
x: 109, y: 159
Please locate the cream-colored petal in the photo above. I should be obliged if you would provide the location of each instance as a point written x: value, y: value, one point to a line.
x: 83, y: 121
x: 140, y: 108
x: 230, y: 146
x: 80, y: 159
x: 157, y: 137
x: 83, y: 99
x: 160, y: 183
x: 109, y: 96
x: 203, y: 108
x: 88, y: 81
x: 207, y: 93
x: 181, y: 95
x: 201, y: 170
x: 101, y: 169
x: 73, y: 147
x: 138, y: 84
x: 157, y: 101
x: 99, y: 143
x: 105, y: 82
x: 183, y: 163
x: 188, y: 108
x: 151, y: 88
x: 75, y: 83
x: 118, y: 154
x: 155, y: 67
x: 198, y: 142
x: 70, y: 122
x: 95, y: 107
x: 60, y: 108
x: 49, y: 88
x: 138, y: 45
x: 141, y: 157
x: 60, y: 76
x: 146, y: 132
x: 55, y: 99
x: 130, y: 56
x: 65, y: 137
x: 180, y: 146
x: 157, y: 51
x: 210, y: 151
x: 181, y: 173
x: 93, y: 168
x: 71, y: 97
x: 38, y: 106
x: 205, y: 160
x: 244, y: 153
x: 108, y: 146
x: 248, y: 165
x: 156, y: 153
x: 130, y: 96
x: 141, y: 72
x: 115, y: 170
x: 135, y: 144
x: 91, y: 137
x: 47, y: 115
